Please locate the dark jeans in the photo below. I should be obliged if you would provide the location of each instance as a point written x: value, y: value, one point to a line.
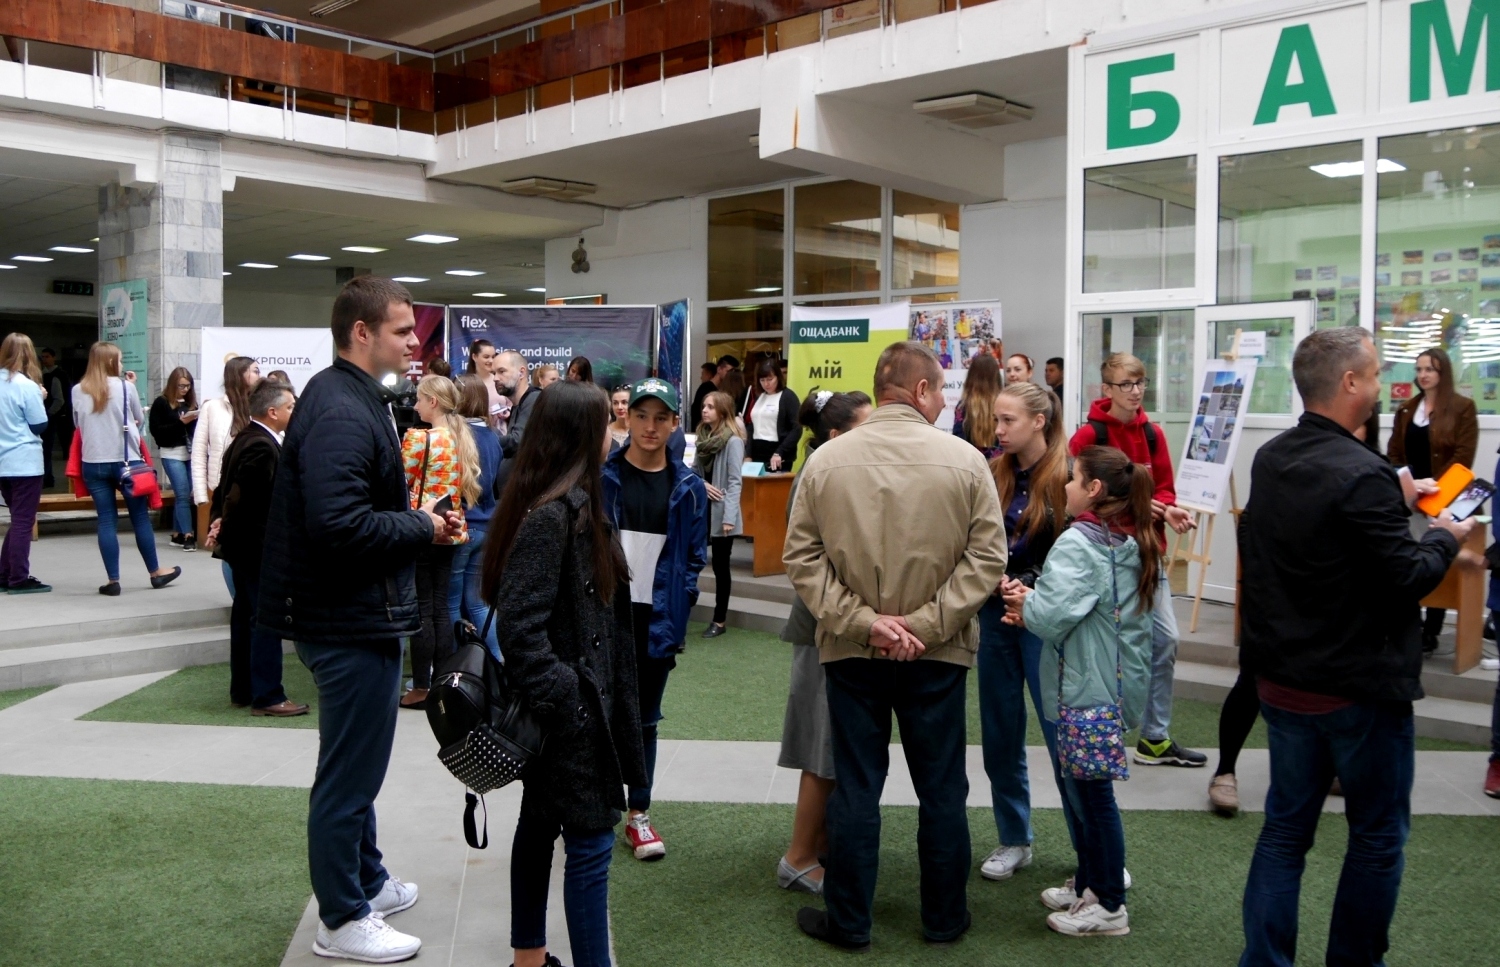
x: 721, y: 548
x: 22, y: 495
x: 464, y: 597
x: 434, y: 642
x: 1370, y: 748
x: 1101, y: 854
x: 254, y: 652
x: 927, y: 698
x: 1433, y: 620
x: 651, y: 675
x: 358, y: 686
x: 103, y: 482
x: 585, y: 887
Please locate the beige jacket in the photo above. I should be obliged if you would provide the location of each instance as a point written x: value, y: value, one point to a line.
x: 896, y: 517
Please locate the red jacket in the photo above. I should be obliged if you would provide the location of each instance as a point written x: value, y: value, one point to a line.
x: 1131, y: 438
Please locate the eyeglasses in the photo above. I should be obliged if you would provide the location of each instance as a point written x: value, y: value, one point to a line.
x: 1131, y: 386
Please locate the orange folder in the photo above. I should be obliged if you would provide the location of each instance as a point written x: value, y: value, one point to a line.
x: 1450, y: 485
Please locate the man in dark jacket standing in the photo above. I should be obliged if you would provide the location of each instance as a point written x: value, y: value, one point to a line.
x: 1332, y: 631
x: 514, y: 381
x: 339, y: 577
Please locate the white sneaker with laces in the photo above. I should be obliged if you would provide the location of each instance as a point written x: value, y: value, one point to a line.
x: 1087, y: 918
x: 1004, y: 862
x: 394, y: 897
x: 1063, y: 897
x: 369, y: 941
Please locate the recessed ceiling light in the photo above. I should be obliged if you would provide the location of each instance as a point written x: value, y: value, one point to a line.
x: 407, y: 278
x: 31, y: 258
x: 431, y: 239
x: 12, y: 266
x: 1351, y: 169
x: 464, y: 272
x: 364, y: 249
x: 490, y: 295
x: 93, y: 240
x: 309, y: 258
x: 71, y: 249
x: 256, y: 265
x: 537, y: 289
x: 767, y: 288
x: 226, y: 273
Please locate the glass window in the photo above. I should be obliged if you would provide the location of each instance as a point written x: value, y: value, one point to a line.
x: 1289, y: 227
x: 1161, y: 339
x: 1138, y: 225
x: 929, y: 297
x: 762, y: 317
x: 1437, y: 261
x: 836, y: 245
x: 924, y: 242
x: 745, y: 245
x: 1272, y: 390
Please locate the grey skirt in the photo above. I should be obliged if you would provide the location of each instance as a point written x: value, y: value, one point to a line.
x: 806, y: 734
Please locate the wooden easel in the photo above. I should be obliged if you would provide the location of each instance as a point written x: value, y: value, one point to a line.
x: 1203, y: 522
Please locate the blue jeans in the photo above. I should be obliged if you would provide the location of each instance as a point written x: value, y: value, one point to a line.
x: 1101, y: 851
x: 103, y: 482
x: 1371, y: 749
x: 464, y: 597
x: 358, y: 687
x: 927, y: 698
x: 1156, y: 723
x: 1008, y: 658
x: 585, y: 887
x: 180, y: 473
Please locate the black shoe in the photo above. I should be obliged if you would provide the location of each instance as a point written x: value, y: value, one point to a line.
x: 713, y: 630
x: 1489, y: 627
x: 177, y: 539
x: 814, y: 923
x: 1429, y: 643
x: 29, y: 586
x: 166, y: 579
x: 950, y: 941
x: 1167, y: 753
x: 551, y: 961
x: 112, y: 589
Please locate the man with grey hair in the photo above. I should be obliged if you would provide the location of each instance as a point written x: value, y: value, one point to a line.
x: 1331, y: 629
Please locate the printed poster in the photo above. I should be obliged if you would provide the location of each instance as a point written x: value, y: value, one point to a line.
x: 957, y: 332
x: 1214, y: 437
x: 124, y: 320
x: 432, y: 334
x: 671, y: 344
x: 301, y: 353
x: 836, y: 347
x: 615, y: 339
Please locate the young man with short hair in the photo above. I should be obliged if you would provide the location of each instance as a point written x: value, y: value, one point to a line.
x: 708, y: 382
x: 1117, y: 419
x: 660, y: 507
x: 1054, y: 375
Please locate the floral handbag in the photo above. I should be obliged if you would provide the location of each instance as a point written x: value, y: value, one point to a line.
x: 1091, y: 741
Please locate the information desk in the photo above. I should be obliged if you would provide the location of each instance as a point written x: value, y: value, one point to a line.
x: 763, y: 506
x: 1463, y: 590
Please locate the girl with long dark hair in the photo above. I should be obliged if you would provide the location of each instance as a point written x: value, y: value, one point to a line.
x: 174, y: 415
x: 770, y: 417
x: 554, y: 569
x: 218, y: 422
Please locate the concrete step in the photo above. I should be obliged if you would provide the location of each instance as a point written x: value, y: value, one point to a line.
x: 62, y: 630
x: 752, y: 614
x: 776, y: 588
x: 59, y: 663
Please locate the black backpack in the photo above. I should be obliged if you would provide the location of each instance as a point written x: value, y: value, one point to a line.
x: 1101, y: 435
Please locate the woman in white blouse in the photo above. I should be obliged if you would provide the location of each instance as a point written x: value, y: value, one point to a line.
x: 770, y: 415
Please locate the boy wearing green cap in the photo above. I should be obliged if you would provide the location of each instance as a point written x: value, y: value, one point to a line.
x: 660, y: 507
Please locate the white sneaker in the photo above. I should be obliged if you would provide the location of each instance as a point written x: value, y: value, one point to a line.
x: 1088, y: 919
x: 370, y: 941
x: 394, y: 897
x: 1063, y: 897
x: 1004, y: 862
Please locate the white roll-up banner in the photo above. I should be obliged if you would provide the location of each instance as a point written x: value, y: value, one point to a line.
x: 298, y: 352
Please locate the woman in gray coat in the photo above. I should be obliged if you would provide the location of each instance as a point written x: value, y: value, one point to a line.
x: 720, y: 455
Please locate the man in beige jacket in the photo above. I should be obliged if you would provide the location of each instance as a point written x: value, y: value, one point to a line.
x: 895, y: 541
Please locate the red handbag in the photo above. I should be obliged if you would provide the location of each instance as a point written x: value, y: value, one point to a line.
x: 137, y: 479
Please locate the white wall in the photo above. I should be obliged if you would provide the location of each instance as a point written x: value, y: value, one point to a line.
x: 285, y: 309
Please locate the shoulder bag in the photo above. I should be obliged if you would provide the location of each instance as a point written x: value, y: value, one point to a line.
x: 1091, y: 741
x: 136, y: 478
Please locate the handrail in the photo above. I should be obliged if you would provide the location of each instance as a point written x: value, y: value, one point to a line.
x: 250, y: 13
x: 523, y: 27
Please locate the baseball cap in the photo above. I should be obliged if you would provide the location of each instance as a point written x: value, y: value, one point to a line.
x: 659, y: 388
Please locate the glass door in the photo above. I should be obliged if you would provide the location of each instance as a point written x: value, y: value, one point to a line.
x: 1273, y: 329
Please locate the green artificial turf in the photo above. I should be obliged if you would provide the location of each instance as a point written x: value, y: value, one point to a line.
x: 714, y: 899
x: 200, y: 696
x: 138, y: 874
x: 19, y: 695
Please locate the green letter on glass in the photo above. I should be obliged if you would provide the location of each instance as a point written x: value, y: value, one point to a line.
x: 1430, y: 28
x: 1297, y: 44
x: 1121, y: 101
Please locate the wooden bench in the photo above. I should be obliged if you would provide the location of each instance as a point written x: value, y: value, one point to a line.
x: 63, y: 503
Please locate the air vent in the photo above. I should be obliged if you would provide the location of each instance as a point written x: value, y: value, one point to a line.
x: 973, y: 110
x: 549, y: 188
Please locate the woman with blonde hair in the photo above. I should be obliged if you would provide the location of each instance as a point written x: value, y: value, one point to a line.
x: 719, y: 457
x: 218, y: 422
x: 107, y: 413
x: 441, y: 462
x: 23, y: 420
x: 974, y: 417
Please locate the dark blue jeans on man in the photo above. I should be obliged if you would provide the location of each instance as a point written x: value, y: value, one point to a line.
x: 585, y: 887
x: 358, y: 687
x: 1371, y: 749
x: 254, y: 652
x: 927, y: 698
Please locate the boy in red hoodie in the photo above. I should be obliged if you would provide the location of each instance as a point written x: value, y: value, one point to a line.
x: 1117, y: 419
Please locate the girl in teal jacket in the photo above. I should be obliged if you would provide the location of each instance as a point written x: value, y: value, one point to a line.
x: 1092, y: 609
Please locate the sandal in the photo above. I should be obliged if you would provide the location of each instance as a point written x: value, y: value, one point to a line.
x: 798, y: 881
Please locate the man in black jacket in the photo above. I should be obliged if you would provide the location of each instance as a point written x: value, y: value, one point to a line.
x: 241, y: 503
x: 339, y: 578
x: 514, y: 381
x: 1332, y: 630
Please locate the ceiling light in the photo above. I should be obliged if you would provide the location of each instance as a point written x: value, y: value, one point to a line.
x: 466, y: 273
x: 973, y: 109
x: 330, y: 6
x: 743, y: 308
x: 309, y: 258
x: 7, y: 266
x: 256, y: 265
x: 71, y: 249
x: 1351, y: 169
x: 365, y: 249
x: 93, y: 239
x: 31, y: 258
x: 408, y: 278
x: 548, y: 187
x: 490, y: 295
x: 767, y: 288
x: 226, y: 273
x: 537, y: 289
x: 431, y: 239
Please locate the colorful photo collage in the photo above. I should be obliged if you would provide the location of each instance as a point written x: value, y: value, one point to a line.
x: 1446, y: 266
x: 1219, y: 409
x: 956, y: 335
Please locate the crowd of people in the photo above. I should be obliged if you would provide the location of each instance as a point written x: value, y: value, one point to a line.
x: 572, y: 526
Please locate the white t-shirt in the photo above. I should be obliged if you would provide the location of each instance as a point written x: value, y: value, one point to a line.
x: 763, y: 416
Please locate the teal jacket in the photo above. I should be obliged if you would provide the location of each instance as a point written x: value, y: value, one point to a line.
x: 1071, y: 610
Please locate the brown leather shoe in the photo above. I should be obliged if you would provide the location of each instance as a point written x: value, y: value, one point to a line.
x: 1224, y: 795
x: 281, y: 709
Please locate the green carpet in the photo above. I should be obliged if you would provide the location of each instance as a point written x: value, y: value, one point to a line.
x: 19, y: 695
x: 200, y: 696
x: 714, y: 900
x: 120, y: 874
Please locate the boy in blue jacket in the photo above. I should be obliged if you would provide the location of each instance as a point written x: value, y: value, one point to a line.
x: 660, y: 507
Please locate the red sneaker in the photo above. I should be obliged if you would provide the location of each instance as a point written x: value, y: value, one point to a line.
x: 1492, y: 780
x: 643, y: 839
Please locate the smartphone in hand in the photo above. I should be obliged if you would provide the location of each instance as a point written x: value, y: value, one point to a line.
x: 443, y: 506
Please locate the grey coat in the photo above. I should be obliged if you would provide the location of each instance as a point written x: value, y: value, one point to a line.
x: 725, y: 474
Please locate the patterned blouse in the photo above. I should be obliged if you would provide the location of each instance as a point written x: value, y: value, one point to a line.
x: 433, y: 471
